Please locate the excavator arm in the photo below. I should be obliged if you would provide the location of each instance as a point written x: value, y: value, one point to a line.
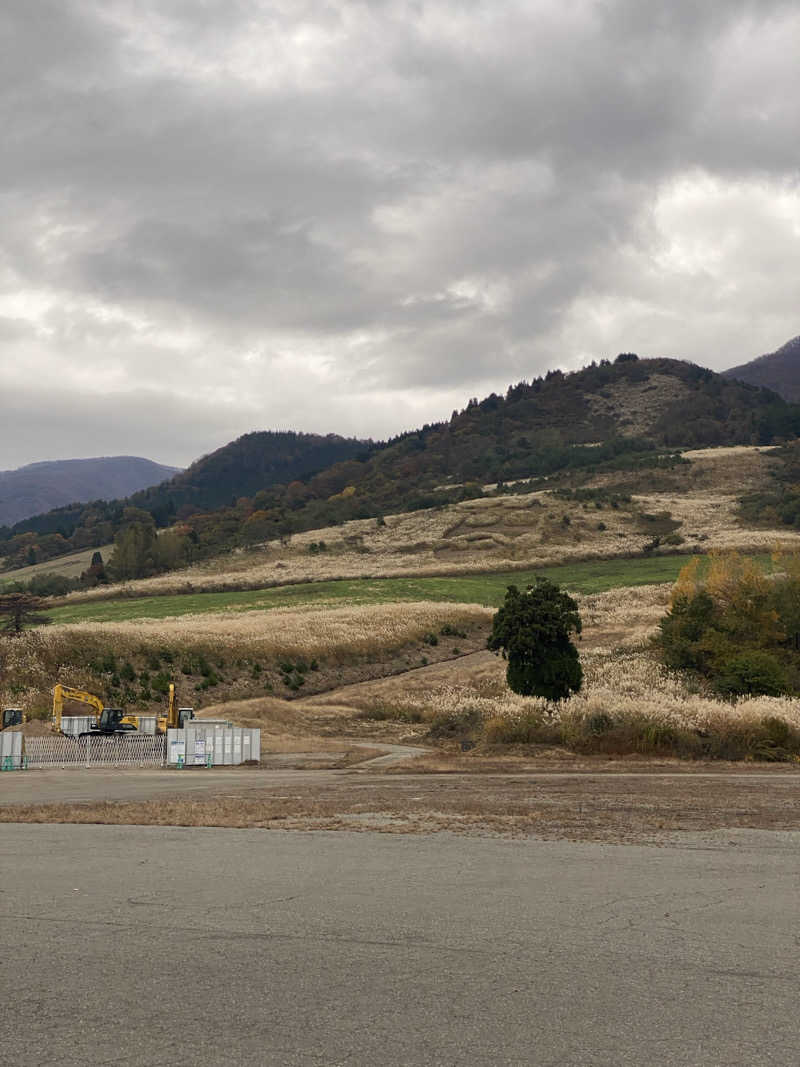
x: 66, y: 692
x: 176, y: 717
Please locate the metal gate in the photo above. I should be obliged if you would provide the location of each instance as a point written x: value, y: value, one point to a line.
x: 136, y: 750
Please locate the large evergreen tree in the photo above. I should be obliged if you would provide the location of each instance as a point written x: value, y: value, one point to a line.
x: 533, y: 631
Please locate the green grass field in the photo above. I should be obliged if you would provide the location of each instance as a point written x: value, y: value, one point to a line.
x: 595, y: 576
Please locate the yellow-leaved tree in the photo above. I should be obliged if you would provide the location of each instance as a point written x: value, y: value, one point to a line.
x: 734, y: 624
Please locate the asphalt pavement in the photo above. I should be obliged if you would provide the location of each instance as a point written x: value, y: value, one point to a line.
x: 159, y: 946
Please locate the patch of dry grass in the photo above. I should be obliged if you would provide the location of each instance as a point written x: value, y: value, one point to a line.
x: 370, y: 635
x: 613, y: 807
x: 336, y: 633
x: 72, y: 565
x: 622, y: 686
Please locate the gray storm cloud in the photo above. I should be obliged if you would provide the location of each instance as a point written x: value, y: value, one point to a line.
x: 353, y: 216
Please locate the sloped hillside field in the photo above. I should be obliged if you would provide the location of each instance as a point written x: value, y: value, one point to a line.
x: 215, y: 657
x: 485, y: 589
x: 376, y: 629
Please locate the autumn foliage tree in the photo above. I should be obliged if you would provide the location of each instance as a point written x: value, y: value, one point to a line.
x: 736, y: 626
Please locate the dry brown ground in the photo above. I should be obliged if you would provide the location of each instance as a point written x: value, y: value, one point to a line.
x: 645, y: 808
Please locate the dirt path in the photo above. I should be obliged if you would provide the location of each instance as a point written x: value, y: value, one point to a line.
x: 331, y: 719
x: 431, y: 675
x: 394, y: 755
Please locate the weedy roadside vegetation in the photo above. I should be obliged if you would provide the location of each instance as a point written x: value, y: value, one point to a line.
x: 630, y: 705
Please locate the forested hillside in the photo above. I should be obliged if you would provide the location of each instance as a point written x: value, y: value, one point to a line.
x: 239, y: 469
x: 243, y: 467
x: 628, y: 414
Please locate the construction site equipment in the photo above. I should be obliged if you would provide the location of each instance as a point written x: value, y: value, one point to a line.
x: 12, y: 717
x: 114, y: 721
x: 66, y: 692
x: 109, y: 720
x: 176, y: 718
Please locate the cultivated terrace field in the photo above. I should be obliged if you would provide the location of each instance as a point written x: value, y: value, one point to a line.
x: 692, y: 508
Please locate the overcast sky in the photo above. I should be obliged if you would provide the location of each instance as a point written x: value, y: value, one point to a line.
x: 226, y: 215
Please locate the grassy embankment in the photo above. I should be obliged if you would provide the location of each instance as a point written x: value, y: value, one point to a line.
x: 595, y: 576
x: 233, y: 656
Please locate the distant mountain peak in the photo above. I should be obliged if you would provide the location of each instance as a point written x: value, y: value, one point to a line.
x: 40, y: 487
x: 778, y: 370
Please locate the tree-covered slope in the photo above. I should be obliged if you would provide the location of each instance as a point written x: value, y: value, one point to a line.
x: 239, y: 469
x: 621, y: 415
x: 243, y: 467
x: 661, y: 403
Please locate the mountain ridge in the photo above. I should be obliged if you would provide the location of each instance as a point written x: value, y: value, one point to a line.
x: 631, y: 414
x: 778, y: 371
x: 47, y: 484
x: 242, y: 467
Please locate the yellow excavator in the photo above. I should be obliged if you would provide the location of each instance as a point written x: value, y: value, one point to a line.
x: 114, y: 721
x: 12, y: 717
x: 110, y: 721
x: 176, y: 718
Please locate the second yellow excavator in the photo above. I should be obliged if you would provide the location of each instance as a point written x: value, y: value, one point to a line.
x: 176, y: 718
x: 114, y: 721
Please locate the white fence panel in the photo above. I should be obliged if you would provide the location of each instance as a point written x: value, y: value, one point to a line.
x: 77, y: 724
x: 221, y: 746
x: 10, y: 750
x: 137, y: 750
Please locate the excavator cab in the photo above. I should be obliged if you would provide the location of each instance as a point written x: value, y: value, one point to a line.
x: 184, y: 716
x: 12, y: 717
x: 112, y: 721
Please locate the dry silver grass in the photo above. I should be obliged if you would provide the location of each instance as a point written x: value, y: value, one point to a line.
x: 36, y: 661
x: 620, y: 684
x: 623, y: 617
x: 316, y: 630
